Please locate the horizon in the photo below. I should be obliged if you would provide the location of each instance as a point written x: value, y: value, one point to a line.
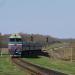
x: 35, y: 34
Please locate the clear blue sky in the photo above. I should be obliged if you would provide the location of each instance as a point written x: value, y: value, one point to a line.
x: 48, y: 17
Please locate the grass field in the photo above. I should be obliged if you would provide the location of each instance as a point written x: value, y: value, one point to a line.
x: 58, y: 65
x: 8, y: 68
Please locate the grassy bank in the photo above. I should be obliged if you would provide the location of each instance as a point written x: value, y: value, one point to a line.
x: 8, y: 68
x: 62, y: 66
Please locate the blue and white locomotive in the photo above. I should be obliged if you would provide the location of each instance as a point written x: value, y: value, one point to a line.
x: 17, y: 47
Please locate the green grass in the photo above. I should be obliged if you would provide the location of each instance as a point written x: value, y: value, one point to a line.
x: 8, y: 68
x: 58, y: 65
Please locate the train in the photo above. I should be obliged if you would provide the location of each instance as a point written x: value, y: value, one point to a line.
x: 17, y: 47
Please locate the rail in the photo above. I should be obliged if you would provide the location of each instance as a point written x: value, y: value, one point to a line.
x: 34, y: 69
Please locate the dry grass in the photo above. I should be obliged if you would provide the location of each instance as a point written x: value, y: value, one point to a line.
x: 65, y: 52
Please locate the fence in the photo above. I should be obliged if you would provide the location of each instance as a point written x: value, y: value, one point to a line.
x: 66, y: 52
x: 4, y: 51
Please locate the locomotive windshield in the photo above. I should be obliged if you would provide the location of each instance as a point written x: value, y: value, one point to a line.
x: 15, y: 40
x: 18, y: 40
x: 12, y: 40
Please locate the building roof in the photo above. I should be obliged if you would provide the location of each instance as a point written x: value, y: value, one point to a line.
x: 15, y: 36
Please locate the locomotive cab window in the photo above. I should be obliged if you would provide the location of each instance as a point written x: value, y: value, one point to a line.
x: 15, y: 40
x: 18, y: 40
x: 12, y: 40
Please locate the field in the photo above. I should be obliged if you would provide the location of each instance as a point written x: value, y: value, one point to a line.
x: 7, y: 67
x: 65, y: 51
x: 58, y: 65
x: 57, y: 51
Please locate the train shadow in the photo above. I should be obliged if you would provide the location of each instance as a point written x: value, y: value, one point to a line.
x: 33, y: 54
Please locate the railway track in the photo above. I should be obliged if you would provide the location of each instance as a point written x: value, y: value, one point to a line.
x: 34, y: 69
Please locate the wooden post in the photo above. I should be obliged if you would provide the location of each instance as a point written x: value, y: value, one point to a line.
x: 0, y: 45
x: 71, y: 51
x: 71, y: 55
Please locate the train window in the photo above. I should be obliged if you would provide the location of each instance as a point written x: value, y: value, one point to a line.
x: 18, y: 40
x: 12, y: 39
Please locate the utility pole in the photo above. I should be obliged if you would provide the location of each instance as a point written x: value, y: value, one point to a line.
x: 0, y: 45
x: 71, y: 50
x: 47, y: 39
x: 32, y: 38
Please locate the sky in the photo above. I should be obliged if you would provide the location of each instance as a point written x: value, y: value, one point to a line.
x: 47, y: 17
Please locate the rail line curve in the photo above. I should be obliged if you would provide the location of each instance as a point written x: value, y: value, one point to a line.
x: 35, y: 69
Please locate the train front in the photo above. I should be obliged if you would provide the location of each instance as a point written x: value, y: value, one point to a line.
x: 15, y: 45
